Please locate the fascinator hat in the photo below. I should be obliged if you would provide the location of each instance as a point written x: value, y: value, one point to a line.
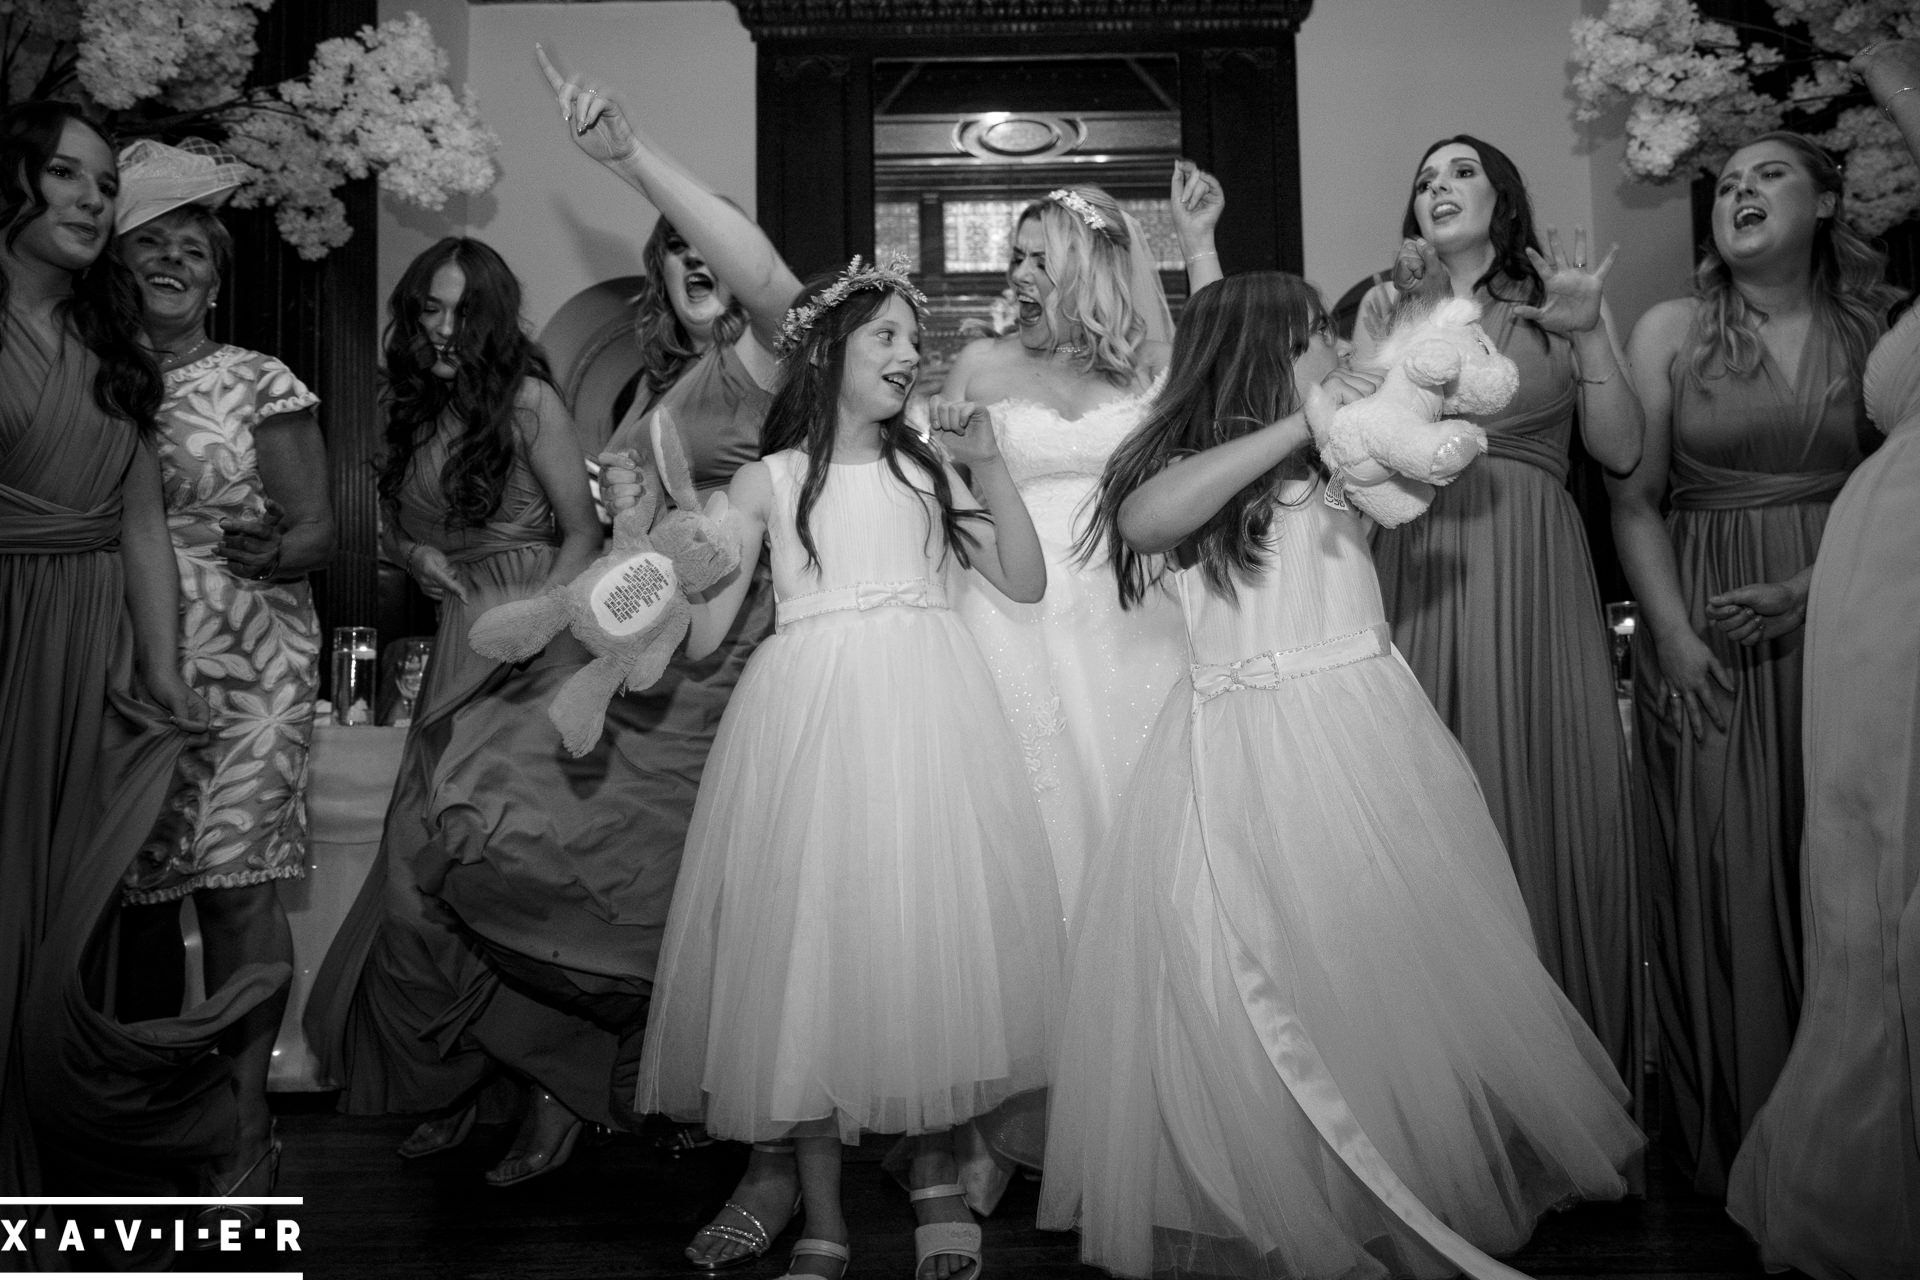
x: 156, y: 178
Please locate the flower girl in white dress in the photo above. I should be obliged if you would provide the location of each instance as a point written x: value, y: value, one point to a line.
x: 1307, y: 1033
x: 865, y: 936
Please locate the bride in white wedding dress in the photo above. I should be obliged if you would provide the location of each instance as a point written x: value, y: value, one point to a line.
x: 1081, y: 680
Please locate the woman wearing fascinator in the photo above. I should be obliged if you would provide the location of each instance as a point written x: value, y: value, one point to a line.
x: 244, y: 475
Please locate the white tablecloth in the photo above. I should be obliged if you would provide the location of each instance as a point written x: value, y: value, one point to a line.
x: 349, y: 779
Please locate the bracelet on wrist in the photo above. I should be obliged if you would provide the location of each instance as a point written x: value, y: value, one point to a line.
x: 1886, y: 108
x: 1595, y: 382
x: 1205, y: 253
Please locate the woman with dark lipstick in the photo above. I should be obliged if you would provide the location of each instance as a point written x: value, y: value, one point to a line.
x: 1492, y: 594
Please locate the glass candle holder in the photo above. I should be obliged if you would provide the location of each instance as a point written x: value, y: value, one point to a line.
x: 356, y: 662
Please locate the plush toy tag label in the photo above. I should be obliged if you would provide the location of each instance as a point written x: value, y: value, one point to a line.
x: 631, y: 596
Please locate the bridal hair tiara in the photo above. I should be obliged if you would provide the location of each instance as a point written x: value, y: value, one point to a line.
x: 1081, y: 206
x: 856, y: 277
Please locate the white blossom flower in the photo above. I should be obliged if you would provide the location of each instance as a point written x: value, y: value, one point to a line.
x: 1689, y: 87
x: 375, y: 103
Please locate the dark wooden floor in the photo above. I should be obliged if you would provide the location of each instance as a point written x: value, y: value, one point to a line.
x: 622, y: 1208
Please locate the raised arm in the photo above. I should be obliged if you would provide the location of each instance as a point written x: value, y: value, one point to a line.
x: 1008, y: 552
x: 736, y: 248
x: 1694, y: 677
x: 1891, y: 70
x: 1611, y: 424
x: 1197, y: 202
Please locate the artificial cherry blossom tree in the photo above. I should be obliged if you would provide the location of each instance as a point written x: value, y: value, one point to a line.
x: 1695, y: 89
x: 375, y: 103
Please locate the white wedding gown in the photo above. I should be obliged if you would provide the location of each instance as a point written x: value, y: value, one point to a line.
x: 1080, y: 678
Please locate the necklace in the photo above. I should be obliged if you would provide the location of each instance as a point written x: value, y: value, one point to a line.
x: 180, y: 360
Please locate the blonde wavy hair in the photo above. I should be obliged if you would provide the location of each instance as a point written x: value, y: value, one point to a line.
x: 1850, y: 294
x: 1092, y: 272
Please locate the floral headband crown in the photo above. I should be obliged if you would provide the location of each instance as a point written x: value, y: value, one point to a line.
x: 1081, y: 207
x: 855, y: 278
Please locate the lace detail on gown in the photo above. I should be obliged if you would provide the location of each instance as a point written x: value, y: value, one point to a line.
x: 1080, y: 679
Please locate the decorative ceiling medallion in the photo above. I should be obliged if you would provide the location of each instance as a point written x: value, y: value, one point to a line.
x: 1007, y: 135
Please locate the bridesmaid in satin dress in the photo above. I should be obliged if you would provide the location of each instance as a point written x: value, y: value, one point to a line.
x: 1752, y: 396
x: 1492, y: 594
x: 93, y: 710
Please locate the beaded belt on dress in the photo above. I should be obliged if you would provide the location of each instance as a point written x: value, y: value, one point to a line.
x: 1273, y: 668
x: 915, y: 594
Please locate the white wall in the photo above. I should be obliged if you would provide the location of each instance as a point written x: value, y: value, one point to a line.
x: 685, y: 68
x: 1380, y: 80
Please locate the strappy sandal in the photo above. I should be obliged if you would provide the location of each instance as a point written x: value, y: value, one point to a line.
x: 754, y: 1236
x: 248, y: 1216
x: 933, y: 1239
x: 819, y: 1249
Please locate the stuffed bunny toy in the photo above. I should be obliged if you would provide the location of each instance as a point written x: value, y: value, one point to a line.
x: 1386, y: 452
x: 631, y: 607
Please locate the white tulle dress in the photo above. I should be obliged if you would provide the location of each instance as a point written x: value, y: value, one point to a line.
x: 1307, y: 1032
x: 865, y: 927
x: 1081, y: 679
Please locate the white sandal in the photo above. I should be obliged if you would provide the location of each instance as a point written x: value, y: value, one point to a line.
x: 931, y: 1239
x: 819, y: 1248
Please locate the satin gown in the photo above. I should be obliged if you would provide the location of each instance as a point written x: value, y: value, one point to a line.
x: 866, y: 930
x: 1718, y: 821
x: 1494, y: 605
x: 1828, y: 1180
x: 1307, y: 1031
x: 86, y: 760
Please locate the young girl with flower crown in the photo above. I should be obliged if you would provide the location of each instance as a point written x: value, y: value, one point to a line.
x: 1307, y: 1032
x: 865, y: 936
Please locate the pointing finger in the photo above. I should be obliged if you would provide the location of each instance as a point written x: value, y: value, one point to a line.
x: 555, y: 81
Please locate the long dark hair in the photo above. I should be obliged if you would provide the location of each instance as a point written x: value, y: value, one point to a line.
x: 805, y: 415
x: 494, y: 357
x: 105, y: 307
x: 1850, y: 293
x: 1510, y: 228
x: 1231, y: 372
x: 666, y: 348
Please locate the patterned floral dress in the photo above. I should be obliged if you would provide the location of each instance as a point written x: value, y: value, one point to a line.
x: 238, y: 814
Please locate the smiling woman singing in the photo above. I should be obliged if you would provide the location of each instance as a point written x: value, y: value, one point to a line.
x: 1492, y: 595
x: 244, y: 473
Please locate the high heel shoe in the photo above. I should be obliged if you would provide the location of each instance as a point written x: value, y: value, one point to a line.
x: 754, y: 1238
x: 431, y: 1144
x: 248, y: 1216
x: 539, y: 1162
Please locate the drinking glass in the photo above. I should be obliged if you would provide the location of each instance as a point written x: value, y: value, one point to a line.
x: 1623, y: 616
x: 414, y: 654
x: 356, y: 658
